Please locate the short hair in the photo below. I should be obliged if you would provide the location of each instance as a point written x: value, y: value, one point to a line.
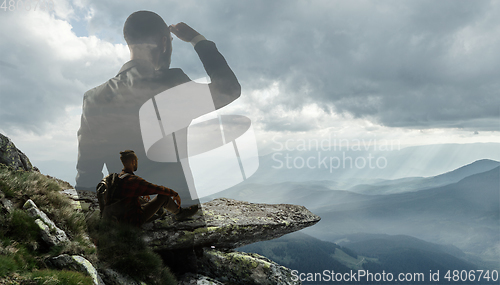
x: 144, y: 27
x: 127, y: 156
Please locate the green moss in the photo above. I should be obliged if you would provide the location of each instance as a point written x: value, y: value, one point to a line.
x: 60, y: 277
x: 241, y: 266
x: 188, y: 236
x: 249, y: 261
x: 207, y: 213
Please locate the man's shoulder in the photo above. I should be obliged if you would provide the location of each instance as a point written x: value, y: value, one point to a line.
x: 125, y: 76
x: 103, y: 90
x: 124, y: 174
x: 135, y: 77
x: 170, y: 77
x: 127, y: 176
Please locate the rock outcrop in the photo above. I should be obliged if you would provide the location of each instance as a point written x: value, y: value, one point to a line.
x: 6, y: 203
x: 76, y: 263
x: 224, y: 224
x: 220, y: 226
x: 51, y: 234
x: 197, y: 279
x: 227, y: 223
x: 236, y: 267
x: 11, y: 156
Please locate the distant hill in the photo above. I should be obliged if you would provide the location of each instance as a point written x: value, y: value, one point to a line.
x: 301, y: 252
x: 376, y: 244
x: 460, y: 173
x: 316, y: 194
x: 419, y: 183
x: 375, y: 253
x: 394, y: 163
x: 309, y: 194
x: 464, y: 214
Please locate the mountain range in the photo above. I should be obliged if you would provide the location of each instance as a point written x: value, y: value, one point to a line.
x: 367, y: 165
x: 419, y: 183
x: 459, y: 209
x: 374, y: 253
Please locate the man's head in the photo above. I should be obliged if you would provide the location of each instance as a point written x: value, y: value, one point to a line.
x: 148, y: 37
x: 129, y: 159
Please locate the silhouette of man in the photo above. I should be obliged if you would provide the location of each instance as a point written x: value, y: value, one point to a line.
x: 110, y: 116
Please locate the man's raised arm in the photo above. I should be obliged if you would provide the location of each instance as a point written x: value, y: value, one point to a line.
x: 224, y: 85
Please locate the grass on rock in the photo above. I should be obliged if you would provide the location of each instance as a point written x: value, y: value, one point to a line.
x: 22, y: 252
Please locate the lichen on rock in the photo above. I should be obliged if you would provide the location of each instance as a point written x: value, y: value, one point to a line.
x: 220, y: 226
x: 229, y: 223
x: 235, y: 267
x: 51, y: 234
x: 76, y: 263
x: 197, y: 279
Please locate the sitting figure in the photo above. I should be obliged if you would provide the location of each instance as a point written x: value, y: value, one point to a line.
x: 127, y: 206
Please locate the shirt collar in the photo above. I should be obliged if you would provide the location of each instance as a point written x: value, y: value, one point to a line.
x: 137, y: 63
x: 125, y: 171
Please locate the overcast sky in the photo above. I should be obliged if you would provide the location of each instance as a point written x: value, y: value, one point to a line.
x: 422, y: 72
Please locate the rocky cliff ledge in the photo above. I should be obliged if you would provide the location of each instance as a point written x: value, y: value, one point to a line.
x: 227, y: 223
x: 220, y: 226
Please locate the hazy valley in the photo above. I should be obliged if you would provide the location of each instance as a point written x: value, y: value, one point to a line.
x: 449, y: 220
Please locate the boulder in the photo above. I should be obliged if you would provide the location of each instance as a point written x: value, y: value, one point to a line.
x: 208, y: 238
x: 6, y: 203
x: 235, y: 267
x: 227, y: 223
x: 76, y: 263
x: 11, y: 156
x: 51, y: 234
x: 197, y: 279
x: 112, y: 277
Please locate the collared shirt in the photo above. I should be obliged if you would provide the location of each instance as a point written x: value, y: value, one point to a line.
x: 132, y: 187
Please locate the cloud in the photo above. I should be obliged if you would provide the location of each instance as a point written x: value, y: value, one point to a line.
x: 418, y: 64
x: 404, y: 64
x: 46, y: 68
x: 409, y: 64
